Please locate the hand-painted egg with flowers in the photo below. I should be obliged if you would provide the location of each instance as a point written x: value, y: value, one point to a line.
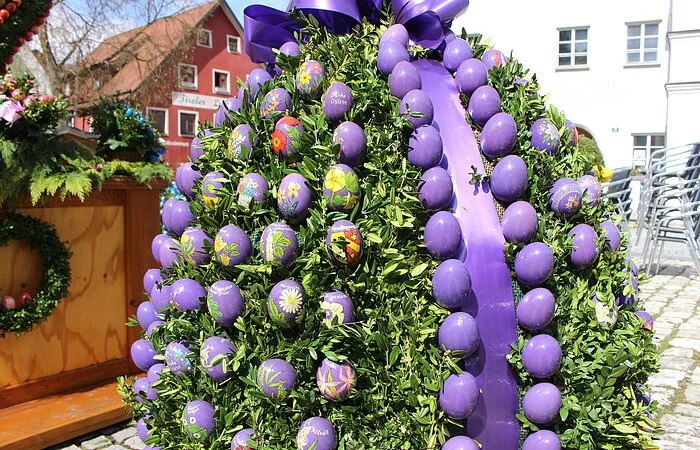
x: 193, y: 245
x: 277, y: 100
x: 232, y: 246
x: 545, y: 136
x: 294, y: 197
x: 198, y: 419
x: 279, y: 244
x: 565, y: 197
x: 337, y: 307
x: 177, y: 358
x: 241, y: 142
x: 341, y: 187
x: 310, y: 77
x: 214, y: 348
x: 285, y: 303
x: 344, y: 242
x: 252, y: 188
x: 336, y: 381
x: 212, y: 183
x: 276, y: 378
x: 286, y: 139
x: 317, y: 433
x: 240, y: 439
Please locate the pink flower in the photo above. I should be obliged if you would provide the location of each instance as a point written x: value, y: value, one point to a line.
x: 17, y: 94
x: 46, y: 98
x: 10, y: 111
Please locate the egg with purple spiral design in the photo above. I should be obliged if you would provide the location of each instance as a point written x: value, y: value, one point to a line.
x: 146, y: 314
x: 493, y: 58
x: 435, y: 188
x: 344, y: 243
x: 294, y: 197
x: 459, y: 333
x: 456, y: 52
x: 585, y: 246
x: 353, y: 143
x: 460, y: 443
x: 417, y: 108
x: 212, y: 183
x: 337, y: 101
x: 336, y: 381
x: 403, y: 79
x: 545, y: 136
x: 185, y: 177
x: 565, y: 197
x: 286, y: 139
x: 168, y: 252
x: 337, y: 307
x: 285, y: 304
x: 612, y: 234
x: 542, y: 440
x: 276, y: 378
x: 425, y: 147
x: 143, y: 390
x: 181, y: 217
x: 535, y: 309
x: 277, y: 100
x: 452, y: 284
x: 541, y: 356
x: 197, y: 147
x: 470, y: 76
x: 310, y: 77
x: 177, y: 358
x: 213, y: 348
x: 395, y: 33
x: 241, y: 142
x: 232, y: 246
x: 574, y: 132
x: 187, y: 294
x: 193, y: 246
x: 160, y: 297
x: 443, y: 235
x: 498, y: 136
x: 150, y: 278
x: 316, y: 433
x: 541, y: 403
x: 252, y: 188
x: 240, y: 439
x: 142, y: 353
x: 534, y: 264
x: 155, y: 246
x: 198, y: 420
x: 519, y: 222
x: 224, y: 112
x: 390, y: 54
x: 278, y: 244
x: 459, y: 396
x: 590, y: 189
x: 225, y: 302
x: 341, y: 188
x: 509, y: 179
x: 484, y: 103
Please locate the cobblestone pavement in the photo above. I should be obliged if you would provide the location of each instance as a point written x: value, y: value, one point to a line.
x: 117, y: 437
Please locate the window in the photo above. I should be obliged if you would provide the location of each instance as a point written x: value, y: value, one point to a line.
x: 234, y: 44
x: 573, y: 47
x: 204, y: 38
x: 642, y: 43
x: 222, y: 83
x: 187, y: 75
x: 188, y: 122
x: 159, y: 119
x: 643, y: 145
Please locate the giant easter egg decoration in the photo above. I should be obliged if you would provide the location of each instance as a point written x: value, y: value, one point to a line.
x: 542, y: 440
x: 590, y: 189
x: 452, y: 284
x: 565, y: 197
x: 456, y: 52
x: 279, y: 244
x: 286, y: 139
x: 541, y: 403
x: 240, y: 439
x: 417, y: 108
x: 435, y: 188
x: 198, y: 419
x: 344, y: 242
x: 545, y: 136
x: 460, y: 443
x: 443, y: 235
x: 232, y: 246
x: 212, y: 183
x: 484, y: 103
x: 187, y: 294
x: 493, y: 58
x: 519, y: 222
x: 535, y: 309
x: 214, y: 348
x: 353, y: 143
x: 285, y: 303
x: 509, y: 179
x: 241, y: 142
x: 316, y: 433
x: 193, y: 246
x: 277, y: 100
x: 225, y: 302
x: 403, y: 79
x: 180, y: 216
x: 252, y: 189
x: 425, y: 147
x: 185, y: 177
x: 336, y: 381
x: 390, y: 54
x: 498, y: 135
x: 471, y: 75
x: 142, y: 353
x: 585, y: 245
x: 612, y: 234
x: 459, y: 333
x: 337, y: 307
x: 459, y: 396
x: 534, y: 264
x: 541, y: 356
x: 310, y: 77
x: 294, y: 197
x: 276, y: 378
x: 337, y: 101
x: 177, y: 358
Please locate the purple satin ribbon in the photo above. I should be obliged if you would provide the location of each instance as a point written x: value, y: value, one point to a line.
x: 425, y: 19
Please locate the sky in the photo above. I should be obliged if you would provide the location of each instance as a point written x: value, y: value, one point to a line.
x: 239, y: 5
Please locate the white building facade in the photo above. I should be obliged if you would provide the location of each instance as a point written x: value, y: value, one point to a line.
x: 626, y: 72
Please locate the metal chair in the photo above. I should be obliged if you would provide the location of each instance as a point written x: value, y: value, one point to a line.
x: 619, y: 190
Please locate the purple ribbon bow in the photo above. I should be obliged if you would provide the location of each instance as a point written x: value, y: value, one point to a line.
x: 427, y: 20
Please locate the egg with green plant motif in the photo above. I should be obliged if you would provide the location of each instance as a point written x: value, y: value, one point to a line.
x: 241, y: 142
x: 286, y: 303
x: 279, y: 244
x: 341, y: 187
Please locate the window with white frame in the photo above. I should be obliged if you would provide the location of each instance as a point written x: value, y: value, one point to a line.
x: 159, y: 118
x: 187, y: 76
x: 234, y: 44
x: 204, y: 38
x: 222, y: 82
x: 187, y: 122
x: 643, y: 145
x: 642, y: 43
x: 573, y: 47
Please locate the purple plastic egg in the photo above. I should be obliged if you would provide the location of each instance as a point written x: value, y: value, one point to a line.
x: 142, y: 430
x: 390, y: 54
x: 154, y: 372
x: 276, y: 378
x: 168, y: 252
x: 470, y: 76
x: 193, y: 245
x: 211, y: 184
x: 535, y: 309
x: 519, y: 222
x: 252, y: 188
x: 341, y: 188
x: 456, y: 52
x: 585, y: 246
x: 509, y: 179
x: 197, y: 147
x: 443, y: 235
x: 277, y: 100
x: 240, y: 439
x: 288, y: 49
x: 542, y: 440
x: 419, y: 103
x: 223, y: 113
x: 256, y: 79
x: 452, y: 284
x: 395, y: 33
x: 574, y: 132
x: 353, y: 143
x: 459, y: 396
x: 648, y: 319
x: 212, y: 348
x: 337, y: 101
x: 232, y: 246
x: 151, y: 278
x: 294, y: 197
x: 181, y: 217
x: 460, y: 443
x: 344, y: 242
x: 565, y: 197
x: 545, y: 136
x: 286, y: 139
x: 185, y: 177
x: 498, y: 136
x: 316, y: 433
x: 142, y: 353
x: 198, y: 419
x: 435, y: 188
x: 187, y: 294
x: 403, y: 79
x: 336, y: 381
x: 541, y: 403
x: 143, y: 390
x: 160, y: 297
x: 541, y: 356
x: 459, y: 333
x: 484, y: 103
x: 165, y: 212
x: 241, y: 142
x: 285, y: 303
x: 612, y: 234
x: 146, y: 314
x: 155, y: 246
x: 338, y: 306
x: 590, y: 189
x: 152, y: 327
x: 177, y: 358
x: 225, y: 302
x: 310, y: 77
x: 278, y: 244
x: 534, y: 264
x: 425, y: 147
x: 493, y: 58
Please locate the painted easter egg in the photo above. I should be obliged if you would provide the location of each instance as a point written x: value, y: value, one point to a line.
x: 612, y: 234
x: 232, y: 246
x: 443, y: 235
x: 168, y: 252
x: 459, y: 333
x: 153, y: 326
x: 344, y: 243
x: 142, y: 353
x: 545, y: 136
x: 290, y: 48
x: 142, y: 430
x: 155, y: 246
x: 336, y: 381
x: 542, y: 440
x: 452, y: 284
x: 534, y: 264
x: 24, y: 299
x: 286, y: 139
x: 456, y: 52
x: 403, y: 79
x: 252, y: 188
x: 337, y: 307
x: 353, y: 143
x: 277, y: 100
x: 154, y: 372
x: 647, y: 318
x: 460, y: 443
x: 316, y: 433
x: 193, y: 245
x: 146, y: 314
x: 285, y: 304
x: 603, y: 313
x: 459, y: 396
x: 470, y: 76
x: 276, y: 378
x: 590, y: 189
x: 565, y: 197
x: 165, y: 212
x: 212, y: 348
x: 519, y: 222
x: 484, y: 103
x: 294, y: 197
x: 187, y: 294
x: 9, y: 302
x: 198, y: 419
x: 337, y: 101
x: 278, y: 244
x: 425, y: 147
x: 185, y: 177
x: 535, y: 309
x: 341, y: 187
x: 197, y: 147
x: 224, y: 112
x: 509, y: 179
x: 435, y: 188
x: 493, y: 58
x: 541, y: 356
x: 541, y: 403
x: 498, y: 135
x: 181, y: 217
x: 390, y: 54
x: 574, y: 132
x: 241, y: 142
x: 143, y: 390
x: 395, y: 33
x: 225, y: 302
x: 585, y: 246
x: 240, y: 439
x: 160, y: 297
x: 417, y: 108
x: 177, y: 358
x: 310, y: 77
x: 212, y: 183
x: 255, y: 80
x: 151, y: 278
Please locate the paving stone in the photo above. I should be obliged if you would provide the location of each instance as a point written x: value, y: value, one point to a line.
x: 686, y: 343
x: 687, y: 410
x: 668, y: 377
x: 677, y: 363
x: 134, y: 443
x: 692, y: 393
x: 123, y: 435
x: 70, y: 447
x: 115, y: 447
x: 96, y: 443
x: 679, y: 352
